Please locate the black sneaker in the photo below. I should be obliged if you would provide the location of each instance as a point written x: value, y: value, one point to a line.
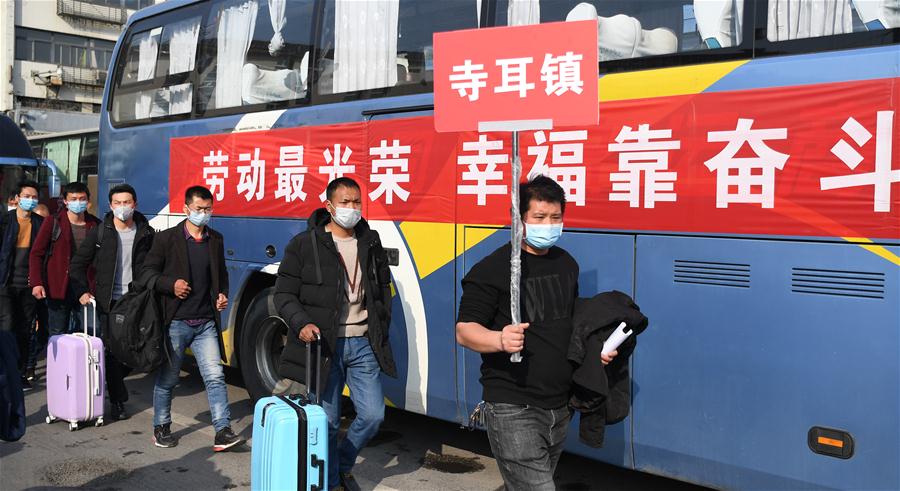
x: 117, y: 411
x: 348, y: 482
x: 162, y: 436
x: 29, y: 374
x: 26, y: 385
x: 225, y: 439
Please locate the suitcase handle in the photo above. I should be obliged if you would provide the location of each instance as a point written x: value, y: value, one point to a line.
x: 94, y: 306
x: 318, y: 371
x: 318, y: 463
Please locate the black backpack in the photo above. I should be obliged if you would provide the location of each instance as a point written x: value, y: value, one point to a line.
x: 135, y: 336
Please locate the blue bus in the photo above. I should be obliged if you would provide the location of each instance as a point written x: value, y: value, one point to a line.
x: 742, y: 186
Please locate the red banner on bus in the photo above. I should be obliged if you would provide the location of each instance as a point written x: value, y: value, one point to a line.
x: 799, y: 161
x: 540, y: 71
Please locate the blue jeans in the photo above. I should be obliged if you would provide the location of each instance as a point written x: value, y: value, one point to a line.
x: 204, y: 343
x: 353, y: 363
x: 527, y: 442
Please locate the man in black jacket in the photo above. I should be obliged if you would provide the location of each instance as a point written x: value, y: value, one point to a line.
x: 525, y: 412
x: 18, y: 229
x: 116, y: 249
x: 187, y: 268
x: 334, y: 285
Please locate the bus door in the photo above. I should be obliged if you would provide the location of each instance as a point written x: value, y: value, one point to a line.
x: 606, y: 262
x: 760, y: 353
x: 420, y: 243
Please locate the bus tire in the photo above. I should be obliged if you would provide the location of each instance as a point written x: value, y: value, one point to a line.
x: 261, y: 343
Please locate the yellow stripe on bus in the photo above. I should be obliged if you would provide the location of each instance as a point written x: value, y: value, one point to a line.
x: 878, y: 250
x: 432, y: 244
x: 663, y: 82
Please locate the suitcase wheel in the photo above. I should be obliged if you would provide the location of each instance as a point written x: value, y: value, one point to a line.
x: 50, y: 419
x: 73, y: 426
x: 99, y: 422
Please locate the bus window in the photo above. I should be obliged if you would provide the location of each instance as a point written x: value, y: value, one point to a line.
x: 796, y: 19
x: 257, y: 52
x: 64, y: 153
x: 634, y: 29
x: 384, y: 43
x: 178, y: 47
x: 140, y: 64
x: 154, y: 77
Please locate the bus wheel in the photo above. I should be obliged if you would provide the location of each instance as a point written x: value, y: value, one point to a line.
x: 262, y: 341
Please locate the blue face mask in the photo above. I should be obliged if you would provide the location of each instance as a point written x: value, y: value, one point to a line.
x: 77, y: 206
x: 199, y: 218
x: 27, y: 204
x: 542, y: 236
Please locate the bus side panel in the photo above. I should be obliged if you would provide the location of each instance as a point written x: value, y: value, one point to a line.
x: 606, y: 263
x: 751, y: 343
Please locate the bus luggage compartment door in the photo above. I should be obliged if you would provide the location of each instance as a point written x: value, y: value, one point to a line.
x: 754, y: 342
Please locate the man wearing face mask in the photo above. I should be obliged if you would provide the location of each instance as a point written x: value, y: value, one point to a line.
x: 525, y: 410
x: 116, y: 250
x: 187, y: 268
x: 56, y: 243
x: 334, y: 285
x: 18, y: 230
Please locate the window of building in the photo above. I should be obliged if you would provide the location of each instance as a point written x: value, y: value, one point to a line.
x: 62, y: 49
x: 357, y: 53
x: 634, y: 29
x: 256, y: 52
x: 793, y: 19
x: 128, y: 4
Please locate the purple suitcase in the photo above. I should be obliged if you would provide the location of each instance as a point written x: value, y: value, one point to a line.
x: 75, y: 376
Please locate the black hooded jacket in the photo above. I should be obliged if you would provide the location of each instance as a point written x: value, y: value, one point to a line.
x: 602, y: 393
x: 102, y: 255
x: 310, y: 290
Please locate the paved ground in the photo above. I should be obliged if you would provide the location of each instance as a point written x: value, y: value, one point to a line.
x: 410, y: 453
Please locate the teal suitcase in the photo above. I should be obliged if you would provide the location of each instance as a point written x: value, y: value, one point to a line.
x: 290, y: 441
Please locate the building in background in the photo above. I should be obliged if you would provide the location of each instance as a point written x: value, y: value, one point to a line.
x: 54, y: 60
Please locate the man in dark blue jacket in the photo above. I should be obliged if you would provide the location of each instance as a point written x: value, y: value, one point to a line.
x: 18, y: 229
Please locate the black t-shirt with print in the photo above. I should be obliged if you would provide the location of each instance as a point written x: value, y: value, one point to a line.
x: 549, y: 289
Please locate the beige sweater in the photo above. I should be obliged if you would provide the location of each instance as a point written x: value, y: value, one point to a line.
x: 353, y: 318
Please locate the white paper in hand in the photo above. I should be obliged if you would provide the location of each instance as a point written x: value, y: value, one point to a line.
x: 616, y: 338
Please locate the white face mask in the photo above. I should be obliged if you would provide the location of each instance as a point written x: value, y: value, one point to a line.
x: 123, y: 213
x: 11, y: 208
x: 346, y: 218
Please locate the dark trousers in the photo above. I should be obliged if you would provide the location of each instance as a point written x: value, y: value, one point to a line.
x: 17, y: 314
x: 39, y: 334
x: 527, y: 442
x: 64, y: 316
x: 116, y: 371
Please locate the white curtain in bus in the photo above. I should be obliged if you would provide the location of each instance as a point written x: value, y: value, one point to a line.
x: 622, y: 36
x: 276, y: 15
x: 719, y: 20
x: 886, y: 12
x: 523, y: 12
x: 799, y: 19
x: 261, y: 85
x: 183, y: 45
x: 147, y: 51
x: 180, y: 97
x: 365, y: 51
x: 236, y: 25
